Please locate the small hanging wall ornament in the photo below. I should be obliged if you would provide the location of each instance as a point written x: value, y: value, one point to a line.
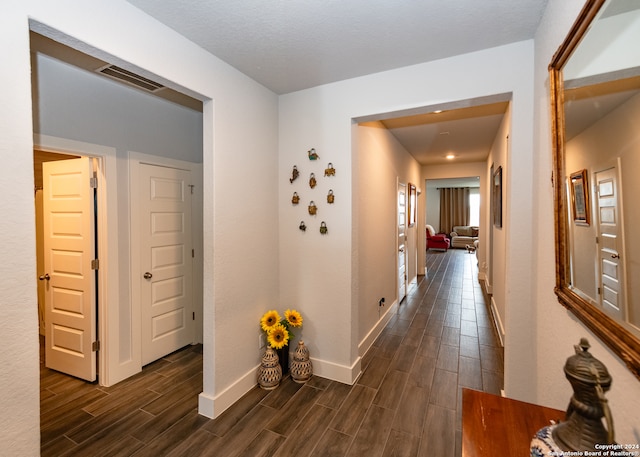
x: 330, y: 171
x: 323, y: 228
x: 302, y: 226
x: 312, y: 181
x: 294, y: 174
x: 295, y: 199
x: 312, y: 208
x: 330, y: 197
x: 312, y: 154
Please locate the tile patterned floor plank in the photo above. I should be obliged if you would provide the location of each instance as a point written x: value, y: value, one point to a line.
x: 406, y: 403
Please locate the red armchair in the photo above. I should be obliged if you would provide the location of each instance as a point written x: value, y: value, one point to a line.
x: 434, y: 241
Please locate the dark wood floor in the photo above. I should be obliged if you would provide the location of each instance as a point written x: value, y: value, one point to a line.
x: 406, y: 403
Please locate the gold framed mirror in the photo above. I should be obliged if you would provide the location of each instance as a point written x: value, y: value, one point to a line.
x: 595, y: 100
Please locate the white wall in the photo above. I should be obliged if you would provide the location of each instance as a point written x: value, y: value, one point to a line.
x: 242, y: 136
x: 557, y: 330
x: 79, y: 106
x: 319, y: 275
x: 380, y: 163
x: 497, y: 237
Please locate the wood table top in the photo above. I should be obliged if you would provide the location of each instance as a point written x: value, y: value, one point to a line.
x: 494, y: 425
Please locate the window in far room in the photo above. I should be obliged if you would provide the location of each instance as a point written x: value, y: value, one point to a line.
x: 474, y: 207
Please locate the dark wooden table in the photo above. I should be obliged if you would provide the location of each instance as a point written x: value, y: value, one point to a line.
x: 494, y: 425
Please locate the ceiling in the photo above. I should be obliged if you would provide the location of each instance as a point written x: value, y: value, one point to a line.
x: 291, y: 46
x: 466, y: 133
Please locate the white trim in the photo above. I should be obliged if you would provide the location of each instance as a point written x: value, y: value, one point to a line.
x: 377, y: 329
x: 335, y: 372
x: 497, y: 322
x: 212, y: 407
x: 111, y: 369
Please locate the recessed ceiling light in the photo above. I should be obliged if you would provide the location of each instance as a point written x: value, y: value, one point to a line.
x: 450, y: 156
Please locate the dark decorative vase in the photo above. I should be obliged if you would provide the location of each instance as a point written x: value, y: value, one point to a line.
x: 582, y: 428
x: 283, y: 355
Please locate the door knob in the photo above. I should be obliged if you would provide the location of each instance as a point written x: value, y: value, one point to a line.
x: 615, y: 256
x: 148, y: 275
x: 44, y: 276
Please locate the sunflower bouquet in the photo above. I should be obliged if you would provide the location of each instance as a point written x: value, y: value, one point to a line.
x: 277, y: 329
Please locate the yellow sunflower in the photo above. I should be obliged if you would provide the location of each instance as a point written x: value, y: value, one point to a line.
x: 293, y: 317
x: 278, y: 336
x: 269, y: 319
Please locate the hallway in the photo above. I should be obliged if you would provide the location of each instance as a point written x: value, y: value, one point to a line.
x: 406, y: 403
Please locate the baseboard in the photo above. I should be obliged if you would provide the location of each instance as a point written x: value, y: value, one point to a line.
x: 497, y: 321
x: 336, y: 372
x: 374, y: 333
x: 212, y: 407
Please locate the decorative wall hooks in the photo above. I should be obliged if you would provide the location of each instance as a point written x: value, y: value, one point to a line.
x: 313, y: 209
x: 295, y: 199
x: 312, y: 154
x: 294, y: 174
x: 312, y: 181
x: 330, y: 197
x: 323, y: 228
x: 302, y: 226
x: 330, y: 171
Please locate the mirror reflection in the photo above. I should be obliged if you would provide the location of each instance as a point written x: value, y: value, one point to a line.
x: 602, y: 162
x: 594, y: 79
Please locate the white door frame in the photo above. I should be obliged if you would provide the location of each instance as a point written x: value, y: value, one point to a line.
x: 135, y: 160
x: 108, y: 234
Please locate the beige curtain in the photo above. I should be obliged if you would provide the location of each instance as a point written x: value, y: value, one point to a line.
x: 454, y: 207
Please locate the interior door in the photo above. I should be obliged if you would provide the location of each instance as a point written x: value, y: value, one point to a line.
x: 69, y: 280
x: 165, y: 244
x: 402, y: 257
x: 611, y: 266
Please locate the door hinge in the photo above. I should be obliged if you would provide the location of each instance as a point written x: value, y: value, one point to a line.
x: 95, y: 347
x: 95, y: 264
x: 193, y: 316
x: 193, y: 253
x: 191, y: 186
x: 93, y: 182
x: 597, y: 240
x: 598, y: 291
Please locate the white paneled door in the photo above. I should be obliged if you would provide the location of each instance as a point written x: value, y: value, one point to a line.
x: 70, y: 282
x: 611, y: 266
x: 165, y: 260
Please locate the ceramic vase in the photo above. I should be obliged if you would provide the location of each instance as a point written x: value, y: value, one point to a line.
x: 301, y: 368
x: 270, y: 372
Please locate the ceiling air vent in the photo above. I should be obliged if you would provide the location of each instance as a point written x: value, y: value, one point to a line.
x: 130, y: 78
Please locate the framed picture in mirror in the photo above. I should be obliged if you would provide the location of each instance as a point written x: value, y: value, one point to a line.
x: 413, y: 205
x: 580, y: 197
x: 497, y: 197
